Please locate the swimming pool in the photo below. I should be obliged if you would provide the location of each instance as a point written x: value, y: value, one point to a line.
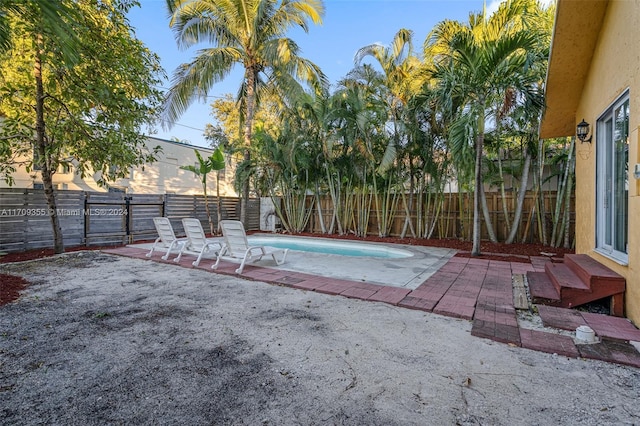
x: 328, y: 246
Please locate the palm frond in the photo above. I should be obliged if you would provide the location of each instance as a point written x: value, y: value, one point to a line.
x: 193, y: 80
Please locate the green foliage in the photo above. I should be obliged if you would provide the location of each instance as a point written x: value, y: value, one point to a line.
x: 206, y: 166
x: 399, y: 131
x: 247, y: 33
x: 228, y: 132
x: 215, y: 162
x: 250, y: 34
x: 483, y: 69
x: 96, y: 102
x: 54, y: 15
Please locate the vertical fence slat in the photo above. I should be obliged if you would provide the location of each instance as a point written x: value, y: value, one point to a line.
x: 456, y: 217
x: 102, y: 218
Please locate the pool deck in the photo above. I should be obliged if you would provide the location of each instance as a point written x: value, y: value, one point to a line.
x: 477, y: 290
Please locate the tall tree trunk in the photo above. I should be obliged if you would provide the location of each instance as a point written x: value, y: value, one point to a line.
x: 323, y: 227
x: 477, y: 195
x: 218, y: 202
x: 487, y: 216
x: 505, y: 210
x: 206, y: 204
x: 245, y: 190
x: 557, y: 231
x: 542, y: 211
x: 44, y: 160
x: 483, y: 197
x: 408, y: 204
x: 567, y: 204
x: 521, y: 195
x: 250, y: 78
x: 503, y: 195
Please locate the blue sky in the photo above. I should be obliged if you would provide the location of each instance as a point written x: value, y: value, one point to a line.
x: 348, y: 25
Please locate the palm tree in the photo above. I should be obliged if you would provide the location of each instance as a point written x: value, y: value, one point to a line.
x: 205, y: 166
x: 249, y: 33
x: 360, y: 116
x: 308, y: 123
x: 476, y: 64
x: 399, y: 67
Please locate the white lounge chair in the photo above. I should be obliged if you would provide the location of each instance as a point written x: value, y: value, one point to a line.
x: 166, y: 237
x: 197, y: 241
x: 237, y: 248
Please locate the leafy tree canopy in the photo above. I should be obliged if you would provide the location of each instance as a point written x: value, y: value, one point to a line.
x: 99, y: 92
x: 228, y: 132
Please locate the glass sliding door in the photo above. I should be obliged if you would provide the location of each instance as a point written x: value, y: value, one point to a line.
x: 612, y: 180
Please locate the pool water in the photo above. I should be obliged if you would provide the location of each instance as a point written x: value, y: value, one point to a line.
x: 326, y: 246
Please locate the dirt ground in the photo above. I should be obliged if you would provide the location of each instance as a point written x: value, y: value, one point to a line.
x: 12, y: 285
x: 100, y: 339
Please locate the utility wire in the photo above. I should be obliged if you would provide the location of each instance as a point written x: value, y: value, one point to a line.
x: 206, y: 96
x: 181, y: 125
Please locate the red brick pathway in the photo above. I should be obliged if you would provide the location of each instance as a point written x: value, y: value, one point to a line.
x: 473, y: 289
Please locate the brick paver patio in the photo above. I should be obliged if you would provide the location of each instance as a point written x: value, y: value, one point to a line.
x: 477, y: 290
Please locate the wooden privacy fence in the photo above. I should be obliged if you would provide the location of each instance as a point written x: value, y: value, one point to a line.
x: 103, y: 218
x: 455, y: 218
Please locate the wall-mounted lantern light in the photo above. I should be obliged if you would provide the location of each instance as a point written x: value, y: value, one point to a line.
x: 582, y: 131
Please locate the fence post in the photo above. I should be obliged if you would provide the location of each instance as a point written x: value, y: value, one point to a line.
x: 85, y: 217
x: 127, y: 222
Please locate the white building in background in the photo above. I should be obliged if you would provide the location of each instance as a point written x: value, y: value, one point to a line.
x: 165, y: 175
x: 160, y: 177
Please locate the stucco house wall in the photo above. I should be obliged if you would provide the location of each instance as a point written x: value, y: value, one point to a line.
x: 595, y: 58
x: 160, y: 177
x: 165, y: 175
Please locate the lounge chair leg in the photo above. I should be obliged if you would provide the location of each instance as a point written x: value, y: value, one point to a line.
x: 197, y: 261
x: 241, y: 268
x: 177, y: 259
x: 284, y: 256
x: 153, y: 247
x: 166, y: 255
x: 170, y: 249
x: 222, y: 253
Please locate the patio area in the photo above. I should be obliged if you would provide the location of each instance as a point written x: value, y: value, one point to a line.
x: 478, y: 290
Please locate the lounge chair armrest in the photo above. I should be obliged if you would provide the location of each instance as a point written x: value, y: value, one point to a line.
x: 252, y: 248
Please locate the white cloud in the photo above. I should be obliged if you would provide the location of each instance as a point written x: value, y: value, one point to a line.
x: 492, y: 7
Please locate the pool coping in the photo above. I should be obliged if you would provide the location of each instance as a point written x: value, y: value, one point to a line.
x: 408, y: 272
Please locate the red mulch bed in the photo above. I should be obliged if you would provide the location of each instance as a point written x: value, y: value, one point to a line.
x: 11, y: 288
x: 492, y: 251
x: 10, y: 285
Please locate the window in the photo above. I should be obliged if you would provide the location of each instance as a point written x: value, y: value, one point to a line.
x: 612, y: 181
x: 117, y: 189
x: 64, y: 168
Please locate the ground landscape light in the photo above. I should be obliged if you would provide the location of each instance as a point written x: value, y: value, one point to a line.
x: 582, y: 130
